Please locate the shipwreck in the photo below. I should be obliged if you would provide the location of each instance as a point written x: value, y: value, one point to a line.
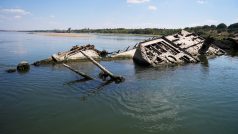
x: 179, y: 48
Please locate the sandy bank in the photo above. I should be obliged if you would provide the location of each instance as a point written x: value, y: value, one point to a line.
x: 78, y: 35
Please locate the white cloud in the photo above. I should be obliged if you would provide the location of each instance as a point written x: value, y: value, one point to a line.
x: 137, y: 1
x: 201, y: 1
x: 152, y: 8
x: 15, y: 13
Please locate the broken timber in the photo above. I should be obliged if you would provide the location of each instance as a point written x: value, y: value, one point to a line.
x: 78, y: 72
x: 117, y: 79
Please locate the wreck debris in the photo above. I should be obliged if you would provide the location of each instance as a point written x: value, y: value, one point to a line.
x: 206, y: 44
x: 102, y: 75
x: 74, y: 53
x: 125, y: 54
x: 192, y: 43
x: 179, y: 48
x: 183, y: 47
x: 159, y: 51
x: 129, y: 52
x: 113, y: 77
x: 44, y: 61
x: 78, y: 72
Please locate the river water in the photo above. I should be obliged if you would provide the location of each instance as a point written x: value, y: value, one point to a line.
x: 194, y: 98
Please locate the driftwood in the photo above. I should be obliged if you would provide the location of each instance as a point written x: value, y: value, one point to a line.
x: 113, y: 77
x: 78, y: 72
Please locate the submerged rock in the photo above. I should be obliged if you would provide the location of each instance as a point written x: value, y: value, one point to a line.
x: 11, y: 70
x: 23, y: 66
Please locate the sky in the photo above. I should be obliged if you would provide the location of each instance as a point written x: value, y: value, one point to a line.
x: 93, y: 14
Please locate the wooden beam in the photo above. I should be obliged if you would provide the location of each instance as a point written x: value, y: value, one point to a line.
x: 78, y: 72
x: 113, y: 77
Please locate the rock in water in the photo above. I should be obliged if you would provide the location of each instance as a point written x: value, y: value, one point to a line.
x: 23, y: 66
x: 11, y: 70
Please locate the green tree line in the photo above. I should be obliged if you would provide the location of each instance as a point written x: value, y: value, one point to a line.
x: 215, y: 29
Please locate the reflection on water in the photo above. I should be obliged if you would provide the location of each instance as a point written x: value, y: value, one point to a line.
x: 204, y: 61
x: 194, y: 98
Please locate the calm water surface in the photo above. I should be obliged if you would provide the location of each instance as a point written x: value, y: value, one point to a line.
x: 195, y: 98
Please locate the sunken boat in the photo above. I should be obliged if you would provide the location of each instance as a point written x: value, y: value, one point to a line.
x: 179, y: 48
x: 74, y: 54
x: 182, y: 47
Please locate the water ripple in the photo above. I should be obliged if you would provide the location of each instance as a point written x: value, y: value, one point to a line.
x: 147, y: 106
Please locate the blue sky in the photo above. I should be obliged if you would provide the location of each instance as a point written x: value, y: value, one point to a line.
x: 77, y: 14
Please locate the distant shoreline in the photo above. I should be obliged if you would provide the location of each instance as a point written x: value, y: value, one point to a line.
x: 62, y: 34
x: 85, y: 34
